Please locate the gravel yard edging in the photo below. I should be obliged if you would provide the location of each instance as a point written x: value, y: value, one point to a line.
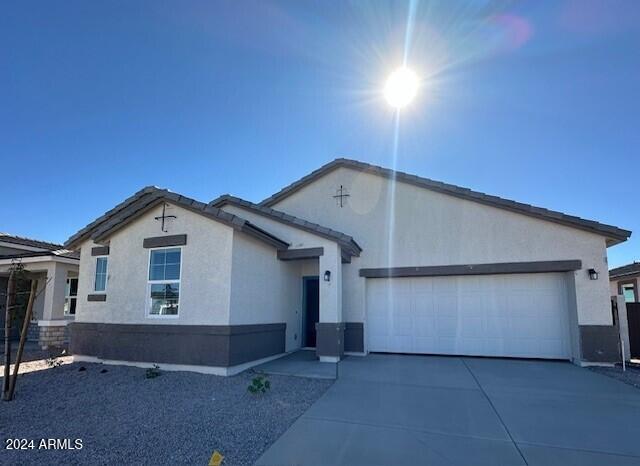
x: 176, y: 418
x: 631, y: 376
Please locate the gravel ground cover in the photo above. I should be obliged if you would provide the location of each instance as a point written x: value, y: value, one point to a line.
x: 631, y: 376
x: 124, y: 418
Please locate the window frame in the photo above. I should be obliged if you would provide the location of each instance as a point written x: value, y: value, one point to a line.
x: 636, y: 291
x: 68, y: 297
x: 106, y: 275
x: 148, y: 299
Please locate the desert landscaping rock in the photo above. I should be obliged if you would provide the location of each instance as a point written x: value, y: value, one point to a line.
x: 124, y: 418
x: 631, y: 376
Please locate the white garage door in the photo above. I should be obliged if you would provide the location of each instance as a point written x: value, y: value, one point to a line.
x: 522, y: 315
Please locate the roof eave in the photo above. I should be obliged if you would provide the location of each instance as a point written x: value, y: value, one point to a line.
x: 148, y: 198
x: 74, y: 241
x: 348, y: 244
x: 613, y: 234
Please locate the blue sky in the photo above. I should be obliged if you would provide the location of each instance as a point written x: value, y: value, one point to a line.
x: 536, y: 101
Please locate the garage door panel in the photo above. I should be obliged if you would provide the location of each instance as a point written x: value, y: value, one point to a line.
x: 495, y: 346
x: 401, y: 344
x: 424, y: 344
x: 448, y: 327
x: 442, y: 285
x: 425, y: 321
x: 402, y: 324
x: 494, y: 324
x: 507, y: 315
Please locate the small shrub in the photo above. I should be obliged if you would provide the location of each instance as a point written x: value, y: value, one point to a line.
x: 53, y: 362
x: 153, y: 372
x: 259, y: 384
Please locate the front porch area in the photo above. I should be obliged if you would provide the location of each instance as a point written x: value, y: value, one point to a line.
x: 301, y: 363
x: 55, y: 303
x: 317, y: 326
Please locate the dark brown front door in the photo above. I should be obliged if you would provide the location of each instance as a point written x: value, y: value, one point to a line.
x: 311, y: 309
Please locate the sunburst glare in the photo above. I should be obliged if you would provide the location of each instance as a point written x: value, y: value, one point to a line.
x: 401, y: 87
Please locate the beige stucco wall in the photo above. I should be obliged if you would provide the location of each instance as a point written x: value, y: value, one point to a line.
x: 54, y: 295
x: 411, y: 226
x: 205, y: 276
x: 264, y: 289
x: 613, y: 288
x: 331, y: 291
x: 38, y: 304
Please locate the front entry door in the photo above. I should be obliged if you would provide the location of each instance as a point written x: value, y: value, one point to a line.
x: 311, y: 309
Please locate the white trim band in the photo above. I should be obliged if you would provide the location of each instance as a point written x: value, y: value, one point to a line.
x: 53, y: 323
x: 213, y: 370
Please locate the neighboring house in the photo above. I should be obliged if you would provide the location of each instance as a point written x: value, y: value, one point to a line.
x: 57, y: 272
x: 624, y: 281
x: 352, y: 258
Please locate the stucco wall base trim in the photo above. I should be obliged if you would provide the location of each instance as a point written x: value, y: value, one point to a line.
x: 600, y: 343
x: 54, y: 323
x: 330, y: 339
x: 595, y: 364
x: 211, y: 370
x: 354, y: 337
x: 332, y: 359
x: 190, y: 345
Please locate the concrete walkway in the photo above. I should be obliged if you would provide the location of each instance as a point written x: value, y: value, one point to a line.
x: 409, y: 410
x: 302, y: 363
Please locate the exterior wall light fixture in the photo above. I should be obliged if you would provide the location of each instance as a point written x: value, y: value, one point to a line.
x: 593, y: 274
x: 327, y: 276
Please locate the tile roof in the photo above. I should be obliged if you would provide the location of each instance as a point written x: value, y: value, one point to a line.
x: 33, y: 243
x: 614, y: 234
x: 343, y: 239
x: 148, y: 197
x: 65, y: 253
x: 625, y: 270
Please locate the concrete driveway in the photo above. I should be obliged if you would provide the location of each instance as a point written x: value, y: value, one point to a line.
x: 395, y: 410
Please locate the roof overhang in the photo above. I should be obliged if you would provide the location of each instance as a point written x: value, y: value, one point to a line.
x: 104, y: 227
x: 38, y: 259
x: 348, y: 245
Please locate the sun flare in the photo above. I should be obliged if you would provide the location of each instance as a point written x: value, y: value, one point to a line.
x: 401, y: 87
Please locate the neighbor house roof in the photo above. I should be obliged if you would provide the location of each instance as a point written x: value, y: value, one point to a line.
x: 152, y: 196
x: 64, y: 253
x: 345, y: 241
x: 625, y: 270
x: 32, y: 243
x: 613, y: 234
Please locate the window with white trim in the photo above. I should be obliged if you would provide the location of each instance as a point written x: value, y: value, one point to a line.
x: 163, y: 290
x: 70, y: 296
x: 629, y: 292
x: 100, y: 282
